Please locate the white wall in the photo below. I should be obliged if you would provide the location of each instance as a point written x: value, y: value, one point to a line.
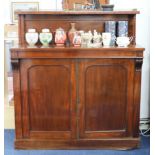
x: 43, y: 5
x: 143, y: 39
x: 142, y: 36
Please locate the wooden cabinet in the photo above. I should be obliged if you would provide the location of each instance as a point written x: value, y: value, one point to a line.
x: 76, y: 98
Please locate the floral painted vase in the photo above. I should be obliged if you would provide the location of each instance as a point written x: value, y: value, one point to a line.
x: 60, y: 37
x: 31, y: 37
x: 45, y: 37
x: 72, y: 33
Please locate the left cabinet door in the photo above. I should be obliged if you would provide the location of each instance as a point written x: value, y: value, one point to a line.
x: 48, y: 98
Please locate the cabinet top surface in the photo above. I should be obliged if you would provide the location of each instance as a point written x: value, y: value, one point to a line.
x: 76, y: 52
x: 99, y: 12
x: 50, y: 48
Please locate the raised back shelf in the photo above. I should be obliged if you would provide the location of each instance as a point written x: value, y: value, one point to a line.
x: 85, y: 20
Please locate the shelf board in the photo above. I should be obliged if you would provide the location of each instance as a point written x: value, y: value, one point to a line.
x: 99, y: 12
x: 53, y: 47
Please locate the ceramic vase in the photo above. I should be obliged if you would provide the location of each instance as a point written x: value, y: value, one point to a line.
x: 31, y: 37
x: 106, y: 39
x: 72, y: 33
x: 60, y: 37
x: 45, y: 37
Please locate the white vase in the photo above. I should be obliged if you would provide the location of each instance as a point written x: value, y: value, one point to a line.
x: 106, y: 39
x: 45, y: 37
x: 31, y: 37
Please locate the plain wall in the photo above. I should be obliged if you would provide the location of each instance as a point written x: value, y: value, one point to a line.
x: 143, y: 39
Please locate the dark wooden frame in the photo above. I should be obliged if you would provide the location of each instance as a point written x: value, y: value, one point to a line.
x: 13, y: 12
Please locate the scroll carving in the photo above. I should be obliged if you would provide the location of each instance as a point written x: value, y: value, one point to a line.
x: 138, y: 64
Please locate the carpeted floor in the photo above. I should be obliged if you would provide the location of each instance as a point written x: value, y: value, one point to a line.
x: 9, y: 149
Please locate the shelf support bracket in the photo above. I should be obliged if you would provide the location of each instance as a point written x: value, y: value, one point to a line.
x: 138, y: 64
x: 15, y: 63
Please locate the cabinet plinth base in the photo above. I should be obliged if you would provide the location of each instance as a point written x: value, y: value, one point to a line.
x: 117, y: 144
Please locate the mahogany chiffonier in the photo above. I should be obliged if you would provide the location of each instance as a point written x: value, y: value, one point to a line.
x: 74, y: 97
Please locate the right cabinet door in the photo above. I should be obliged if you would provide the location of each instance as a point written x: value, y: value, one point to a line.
x: 106, y: 88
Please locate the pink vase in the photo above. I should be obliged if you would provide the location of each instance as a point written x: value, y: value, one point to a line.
x: 60, y: 37
x: 72, y: 33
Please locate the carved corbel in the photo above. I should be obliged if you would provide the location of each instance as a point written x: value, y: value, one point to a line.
x: 138, y: 64
x: 15, y: 63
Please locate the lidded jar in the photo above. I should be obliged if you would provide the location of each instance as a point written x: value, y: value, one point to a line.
x: 45, y: 37
x: 72, y: 33
x: 60, y: 37
x: 31, y: 37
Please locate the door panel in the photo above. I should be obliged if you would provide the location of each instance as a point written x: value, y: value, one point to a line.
x: 106, y: 88
x: 49, y: 110
x: 105, y: 96
x: 49, y: 107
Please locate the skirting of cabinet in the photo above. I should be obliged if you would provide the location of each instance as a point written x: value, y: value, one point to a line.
x: 119, y: 144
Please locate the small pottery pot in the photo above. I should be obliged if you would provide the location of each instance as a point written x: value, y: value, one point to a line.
x: 60, y: 37
x: 45, y: 37
x: 31, y: 37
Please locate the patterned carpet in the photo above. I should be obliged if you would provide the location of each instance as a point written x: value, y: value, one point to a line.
x: 9, y: 149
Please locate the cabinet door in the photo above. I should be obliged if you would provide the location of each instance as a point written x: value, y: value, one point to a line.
x: 48, y: 98
x: 106, y: 98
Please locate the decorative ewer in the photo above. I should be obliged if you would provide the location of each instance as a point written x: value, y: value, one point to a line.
x: 31, y: 37
x: 123, y: 41
x: 60, y: 37
x: 45, y: 37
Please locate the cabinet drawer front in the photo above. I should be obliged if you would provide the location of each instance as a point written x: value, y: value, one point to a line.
x: 48, y: 98
x: 106, y: 93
